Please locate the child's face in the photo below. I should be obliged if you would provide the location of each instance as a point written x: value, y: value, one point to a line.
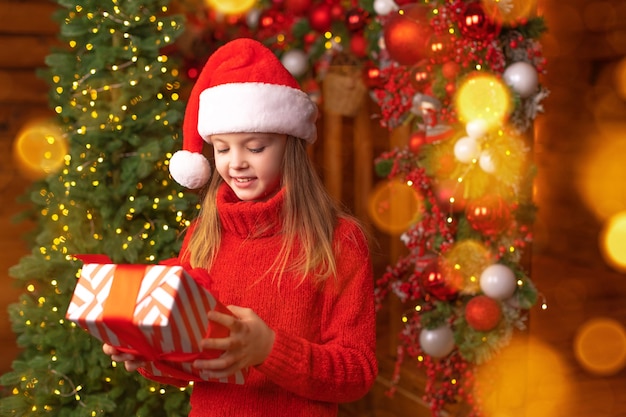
x: 250, y: 163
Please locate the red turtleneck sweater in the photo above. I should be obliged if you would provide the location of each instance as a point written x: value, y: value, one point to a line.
x: 324, y: 352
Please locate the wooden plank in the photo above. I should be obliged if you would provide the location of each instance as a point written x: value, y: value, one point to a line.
x: 13, y: 116
x: 22, y: 86
x: 584, y: 16
x: 22, y: 51
x: 27, y: 18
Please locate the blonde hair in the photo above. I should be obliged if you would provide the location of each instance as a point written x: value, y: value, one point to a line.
x: 310, y: 225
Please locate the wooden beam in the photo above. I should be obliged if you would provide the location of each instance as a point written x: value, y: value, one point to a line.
x: 22, y: 86
x: 27, y: 18
x: 21, y: 51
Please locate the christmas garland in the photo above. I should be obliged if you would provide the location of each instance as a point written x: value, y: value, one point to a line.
x: 462, y: 280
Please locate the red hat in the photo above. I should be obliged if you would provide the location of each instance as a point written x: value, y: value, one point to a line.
x: 242, y: 88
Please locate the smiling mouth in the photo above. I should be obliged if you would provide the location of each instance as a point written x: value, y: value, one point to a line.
x: 243, y: 179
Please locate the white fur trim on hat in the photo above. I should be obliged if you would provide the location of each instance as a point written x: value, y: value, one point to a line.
x: 190, y: 169
x: 257, y: 107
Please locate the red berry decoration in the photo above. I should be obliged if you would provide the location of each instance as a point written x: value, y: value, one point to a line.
x: 483, y: 313
x: 489, y: 214
x: 407, y: 35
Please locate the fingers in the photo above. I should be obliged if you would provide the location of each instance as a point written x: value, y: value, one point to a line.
x: 131, y: 362
x: 132, y: 366
x: 233, y: 341
x: 249, y: 343
x: 225, y: 361
x: 240, y: 312
x: 224, y: 319
x: 221, y: 343
x: 108, y: 349
x: 221, y: 367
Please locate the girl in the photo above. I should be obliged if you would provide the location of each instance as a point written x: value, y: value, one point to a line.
x: 294, y: 270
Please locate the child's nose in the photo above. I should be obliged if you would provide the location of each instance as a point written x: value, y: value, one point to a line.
x: 238, y: 159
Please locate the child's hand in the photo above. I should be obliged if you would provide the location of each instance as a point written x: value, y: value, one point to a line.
x: 131, y: 362
x: 249, y: 343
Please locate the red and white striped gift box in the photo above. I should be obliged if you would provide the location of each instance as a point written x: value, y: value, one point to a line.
x: 157, y: 312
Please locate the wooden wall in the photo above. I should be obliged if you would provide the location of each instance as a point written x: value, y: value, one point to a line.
x: 586, y: 41
x: 580, y: 151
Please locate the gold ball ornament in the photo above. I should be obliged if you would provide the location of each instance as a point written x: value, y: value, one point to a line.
x: 40, y: 148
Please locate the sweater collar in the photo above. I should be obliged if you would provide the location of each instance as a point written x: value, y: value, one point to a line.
x: 249, y: 219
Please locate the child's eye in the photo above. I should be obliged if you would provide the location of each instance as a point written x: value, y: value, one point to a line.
x: 221, y: 150
x: 257, y: 150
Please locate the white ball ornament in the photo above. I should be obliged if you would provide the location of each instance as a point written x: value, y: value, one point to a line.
x: 485, y: 161
x: 296, y: 61
x: 384, y: 7
x: 437, y: 342
x: 498, y: 281
x: 476, y: 128
x: 466, y: 149
x: 522, y: 78
x: 252, y: 17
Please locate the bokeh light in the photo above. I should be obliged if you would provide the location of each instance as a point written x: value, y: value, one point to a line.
x: 39, y: 148
x: 526, y: 379
x: 483, y: 96
x: 600, y: 346
x: 613, y: 241
x: 231, y: 6
x: 393, y: 206
x: 602, y: 172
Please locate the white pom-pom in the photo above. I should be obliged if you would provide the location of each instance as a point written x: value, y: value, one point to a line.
x: 190, y: 169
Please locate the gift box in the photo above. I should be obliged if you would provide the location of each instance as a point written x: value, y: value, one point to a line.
x: 157, y: 312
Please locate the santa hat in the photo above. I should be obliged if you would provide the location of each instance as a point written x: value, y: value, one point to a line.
x: 243, y: 87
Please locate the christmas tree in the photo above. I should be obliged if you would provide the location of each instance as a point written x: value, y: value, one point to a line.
x: 116, y: 96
